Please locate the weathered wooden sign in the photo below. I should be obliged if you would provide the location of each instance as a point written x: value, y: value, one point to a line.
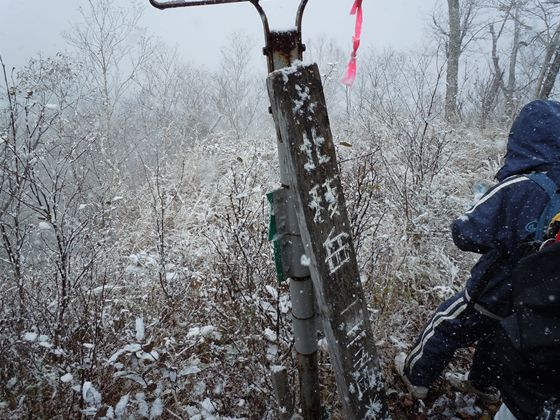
x: 299, y: 110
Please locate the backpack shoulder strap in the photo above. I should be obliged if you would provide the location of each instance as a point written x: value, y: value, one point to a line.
x: 553, y: 206
x: 544, y: 182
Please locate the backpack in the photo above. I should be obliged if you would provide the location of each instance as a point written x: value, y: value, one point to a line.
x: 534, y: 325
x: 528, y: 345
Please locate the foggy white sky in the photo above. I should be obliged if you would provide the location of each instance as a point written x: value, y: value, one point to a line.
x: 32, y: 26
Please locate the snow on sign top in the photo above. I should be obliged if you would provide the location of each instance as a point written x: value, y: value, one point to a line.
x: 167, y: 4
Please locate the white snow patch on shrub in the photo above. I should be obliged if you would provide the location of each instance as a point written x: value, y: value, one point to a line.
x: 90, y: 394
x: 398, y: 343
x: 152, y: 356
x: 11, y: 383
x: 285, y: 304
x: 140, y: 329
x: 120, y: 408
x: 208, y: 406
x: 189, y: 370
x: 192, y: 412
x: 132, y: 348
x: 44, y: 226
x: 143, y: 409
x: 219, y: 388
x: 207, y: 331
x: 323, y: 345
x: 272, y: 352
x: 270, y: 335
x: 30, y: 336
x: 272, y: 291
x: 157, y: 408
x: 277, y: 368
x: 110, y: 413
x: 199, y: 388
x: 268, y: 307
x: 129, y: 348
x: 66, y: 378
x: 443, y: 292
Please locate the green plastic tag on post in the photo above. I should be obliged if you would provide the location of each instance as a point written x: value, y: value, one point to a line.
x: 272, y: 237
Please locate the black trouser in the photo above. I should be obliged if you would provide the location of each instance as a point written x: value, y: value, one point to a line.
x: 456, y: 324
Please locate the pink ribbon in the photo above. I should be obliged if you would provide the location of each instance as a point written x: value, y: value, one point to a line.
x: 350, y: 76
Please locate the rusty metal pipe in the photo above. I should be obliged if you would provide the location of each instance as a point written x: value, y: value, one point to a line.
x: 299, y: 16
x: 183, y: 3
x: 299, y: 19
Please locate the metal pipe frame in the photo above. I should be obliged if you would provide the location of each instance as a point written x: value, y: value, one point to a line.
x: 282, y: 49
x: 182, y: 3
x: 162, y: 5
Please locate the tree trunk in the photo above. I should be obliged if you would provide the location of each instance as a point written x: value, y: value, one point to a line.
x: 453, y: 53
x: 550, y: 78
x: 491, y: 95
x: 509, y: 90
x: 550, y: 68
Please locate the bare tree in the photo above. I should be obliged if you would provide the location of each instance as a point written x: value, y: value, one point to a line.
x: 549, y: 14
x: 453, y: 53
x: 330, y: 59
x: 457, y: 30
x: 114, y: 49
x: 28, y: 116
x: 170, y: 111
x: 525, y: 61
x: 237, y: 93
x: 506, y: 82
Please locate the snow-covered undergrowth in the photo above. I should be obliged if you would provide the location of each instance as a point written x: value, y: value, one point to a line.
x: 181, y: 315
x: 137, y: 280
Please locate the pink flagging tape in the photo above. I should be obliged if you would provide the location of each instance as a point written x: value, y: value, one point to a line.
x: 350, y: 75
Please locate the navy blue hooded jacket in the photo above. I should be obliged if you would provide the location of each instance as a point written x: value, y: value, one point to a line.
x: 507, y: 214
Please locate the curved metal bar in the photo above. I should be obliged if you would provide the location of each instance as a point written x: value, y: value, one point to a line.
x: 183, y: 3
x: 299, y: 47
x: 266, y: 28
x: 263, y: 18
x: 299, y: 16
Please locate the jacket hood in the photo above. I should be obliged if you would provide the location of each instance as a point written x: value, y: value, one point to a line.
x: 534, y: 139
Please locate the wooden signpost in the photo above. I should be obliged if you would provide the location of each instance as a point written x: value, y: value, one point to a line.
x: 314, y: 235
x: 300, y: 114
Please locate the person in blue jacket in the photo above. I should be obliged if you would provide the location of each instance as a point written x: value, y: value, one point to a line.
x: 496, y: 226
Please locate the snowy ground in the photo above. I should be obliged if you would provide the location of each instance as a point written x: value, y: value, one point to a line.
x: 203, y: 347
x: 137, y: 280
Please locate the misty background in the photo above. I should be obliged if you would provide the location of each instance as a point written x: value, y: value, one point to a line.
x: 136, y: 151
x: 31, y: 27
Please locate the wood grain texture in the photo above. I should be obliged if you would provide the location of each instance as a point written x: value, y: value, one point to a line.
x: 299, y: 110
